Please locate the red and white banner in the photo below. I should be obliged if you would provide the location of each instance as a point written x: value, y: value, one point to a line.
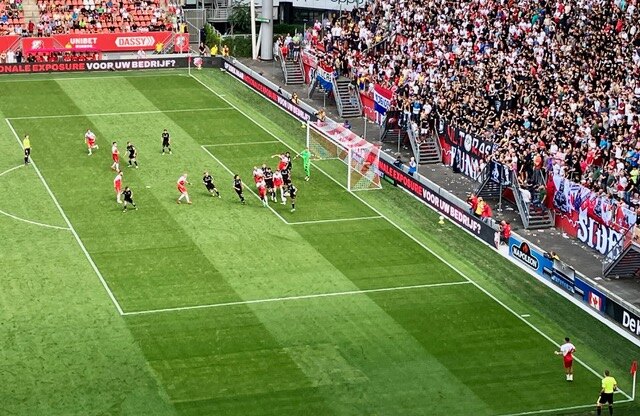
x: 106, y: 42
x: 309, y: 63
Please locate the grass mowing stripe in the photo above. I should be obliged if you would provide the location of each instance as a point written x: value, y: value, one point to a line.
x: 336, y: 220
x: 301, y: 297
x: 73, y: 231
x: 187, y: 110
x: 483, y: 290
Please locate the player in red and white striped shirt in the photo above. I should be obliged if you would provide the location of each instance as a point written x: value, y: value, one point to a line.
x: 115, y: 155
x: 117, y: 186
x: 90, y: 140
x: 182, y: 188
x: 262, y: 192
x: 278, y: 184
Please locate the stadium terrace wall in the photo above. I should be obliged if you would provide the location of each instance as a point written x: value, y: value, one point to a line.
x: 109, y: 65
x: 556, y: 275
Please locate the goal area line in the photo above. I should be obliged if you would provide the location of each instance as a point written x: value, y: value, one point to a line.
x: 299, y: 297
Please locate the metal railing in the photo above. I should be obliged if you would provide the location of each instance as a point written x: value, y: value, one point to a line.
x: 617, y: 248
x: 523, y: 208
x: 413, y: 139
x: 336, y: 93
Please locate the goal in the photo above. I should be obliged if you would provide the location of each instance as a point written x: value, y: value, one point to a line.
x: 330, y: 140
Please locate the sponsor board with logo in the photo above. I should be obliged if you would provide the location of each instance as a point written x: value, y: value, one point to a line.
x: 531, y: 257
x: 111, y: 65
x: 630, y: 321
x: 440, y: 203
x: 106, y: 42
x: 591, y: 296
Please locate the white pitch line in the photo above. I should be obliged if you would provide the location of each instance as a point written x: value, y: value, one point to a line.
x: 561, y: 409
x: 33, y: 222
x: 11, y: 170
x: 25, y: 220
x: 301, y: 297
x: 73, y: 231
x: 186, y: 110
x: 336, y: 220
x: 246, y: 186
x: 239, y: 143
x: 420, y: 243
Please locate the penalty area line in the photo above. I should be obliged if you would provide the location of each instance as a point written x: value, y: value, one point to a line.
x: 301, y: 297
x: 247, y: 187
x: 409, y: 235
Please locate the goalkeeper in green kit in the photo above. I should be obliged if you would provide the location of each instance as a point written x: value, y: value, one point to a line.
x: 306, y: 162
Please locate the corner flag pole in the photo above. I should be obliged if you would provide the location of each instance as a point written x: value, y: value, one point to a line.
x: 634, y: 370
x: 189, y: 62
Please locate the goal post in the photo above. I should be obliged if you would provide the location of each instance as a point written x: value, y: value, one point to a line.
x: 332, y: 141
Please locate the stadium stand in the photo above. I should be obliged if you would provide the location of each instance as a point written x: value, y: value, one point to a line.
x: 555, y: 84
x: 11, y: 17
x: 89, y: 16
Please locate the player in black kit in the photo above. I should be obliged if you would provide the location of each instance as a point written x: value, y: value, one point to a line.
x: 286, y: 176
x: 128, y: 198
x: 166, y: 141
x: 207, y: 180
x: 292, y: 191
x: 133, y: 154
x: 238, y: 186
x: 268, y: 180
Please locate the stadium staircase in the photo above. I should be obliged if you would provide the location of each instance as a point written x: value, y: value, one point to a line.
x: 291, y: 69
x: 429, y: 151
x: 347, y: 98
x: 392, y: 133
x: 623, y: 259
x: 31, y: 12
x: 492, y: 189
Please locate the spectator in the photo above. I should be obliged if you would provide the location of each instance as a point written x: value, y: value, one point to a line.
x: 214, y: 50
x: 526, y: 197
x: 202, y: 50
x: 225, y: 50
x: 347, y: 124
x: 472, y: 200
x: 398, y: 162
x: 480, y: 207
x: 505, y: 232
x: 294, y: 98
x: 413, y: 166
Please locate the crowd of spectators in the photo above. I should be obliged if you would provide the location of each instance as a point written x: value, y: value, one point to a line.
x: 91, y: 16
x: 11, y: 17
x: 87, y: 16
x: 12, y: 57
x: 554, y: 85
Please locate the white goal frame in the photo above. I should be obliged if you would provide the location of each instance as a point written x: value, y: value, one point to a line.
x: 329, y: 140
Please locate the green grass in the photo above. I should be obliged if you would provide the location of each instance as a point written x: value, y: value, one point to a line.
x: 442, y: 350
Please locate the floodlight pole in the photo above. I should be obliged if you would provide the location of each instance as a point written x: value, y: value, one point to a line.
x: 254, y: 46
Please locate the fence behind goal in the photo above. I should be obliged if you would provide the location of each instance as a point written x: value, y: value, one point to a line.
x: 330, y: 140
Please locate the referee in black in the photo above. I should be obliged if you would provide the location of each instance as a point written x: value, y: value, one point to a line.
x: 128, y: 198
x: 609, y: 386
x: 207, y: 180
x: 238, y: 186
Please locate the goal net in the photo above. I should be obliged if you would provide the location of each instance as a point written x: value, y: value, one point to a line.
x: 330, y: 140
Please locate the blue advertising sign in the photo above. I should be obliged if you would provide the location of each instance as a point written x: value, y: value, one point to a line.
x: 536, y: 261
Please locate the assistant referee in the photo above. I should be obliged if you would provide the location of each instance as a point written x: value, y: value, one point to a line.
x: 26, y: 144
x: 609, y: 385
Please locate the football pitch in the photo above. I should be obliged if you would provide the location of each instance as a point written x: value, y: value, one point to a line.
x: 355, y: 304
